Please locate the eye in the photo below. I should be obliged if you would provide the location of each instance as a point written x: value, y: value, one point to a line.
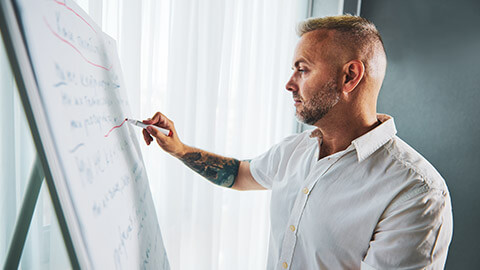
x: 302, y: 70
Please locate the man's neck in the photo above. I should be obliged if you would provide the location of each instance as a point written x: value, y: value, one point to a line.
x: 337, y: 134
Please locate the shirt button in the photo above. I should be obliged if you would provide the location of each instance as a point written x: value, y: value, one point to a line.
x: 285, y: 265
x: 305, y: 190
x: 292, y: 228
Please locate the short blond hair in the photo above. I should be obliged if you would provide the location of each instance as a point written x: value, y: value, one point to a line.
x: 354, y: 30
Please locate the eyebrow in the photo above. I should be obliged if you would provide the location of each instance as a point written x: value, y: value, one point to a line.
x: 300, y: 61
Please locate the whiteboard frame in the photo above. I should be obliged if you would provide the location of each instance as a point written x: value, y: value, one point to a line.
x: 14, y: 41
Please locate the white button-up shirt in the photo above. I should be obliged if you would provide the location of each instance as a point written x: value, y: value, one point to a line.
x: 376, y: 205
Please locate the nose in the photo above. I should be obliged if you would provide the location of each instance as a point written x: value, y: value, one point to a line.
x: 291, y: 84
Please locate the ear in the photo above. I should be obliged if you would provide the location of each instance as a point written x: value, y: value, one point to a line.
x: 353, y: 73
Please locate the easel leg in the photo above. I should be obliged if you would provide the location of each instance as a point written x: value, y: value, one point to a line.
x: 25, y: 216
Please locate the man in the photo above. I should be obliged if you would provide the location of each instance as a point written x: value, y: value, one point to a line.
x: 350, y: 194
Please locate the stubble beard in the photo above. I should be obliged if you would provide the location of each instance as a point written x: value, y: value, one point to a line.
x: 319, y: 105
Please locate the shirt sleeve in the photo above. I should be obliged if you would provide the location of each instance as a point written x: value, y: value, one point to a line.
x: 261, y: 167
x: 264, y: 168
x: 413, y: 233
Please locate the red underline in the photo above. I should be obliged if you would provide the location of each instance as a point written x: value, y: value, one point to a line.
x: 108, y: 133
x: 71, y: 45
x: 69, y: 8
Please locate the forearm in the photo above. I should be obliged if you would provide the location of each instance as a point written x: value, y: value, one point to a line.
x: 219, y: 170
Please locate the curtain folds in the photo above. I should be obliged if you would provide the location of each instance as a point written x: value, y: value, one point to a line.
x: 217, y: 69
x: 226, y: 68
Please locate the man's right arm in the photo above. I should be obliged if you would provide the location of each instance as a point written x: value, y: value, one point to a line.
x: 222, y: 171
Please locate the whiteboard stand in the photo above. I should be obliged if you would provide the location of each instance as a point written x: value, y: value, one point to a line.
x: 25, y: 216
x: 16, y: 52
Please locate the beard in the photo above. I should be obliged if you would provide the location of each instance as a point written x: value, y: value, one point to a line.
x: 319, y: 105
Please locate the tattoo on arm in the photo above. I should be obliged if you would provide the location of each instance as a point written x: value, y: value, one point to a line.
x: 218, y: 170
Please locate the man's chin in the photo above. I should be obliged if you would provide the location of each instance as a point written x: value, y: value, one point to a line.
x: 305, y: 120
x: 299, y: 111
x: 300, y: 119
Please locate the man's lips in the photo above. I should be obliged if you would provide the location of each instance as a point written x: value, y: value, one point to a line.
x: 297, y: 101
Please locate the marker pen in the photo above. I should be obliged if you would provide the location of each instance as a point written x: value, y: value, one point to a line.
x: 143, y: 125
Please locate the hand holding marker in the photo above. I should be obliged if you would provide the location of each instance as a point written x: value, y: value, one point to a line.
x: 143, y: 125
x: 171, y: 143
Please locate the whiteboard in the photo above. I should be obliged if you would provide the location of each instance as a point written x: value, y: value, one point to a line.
x: 77, y: 94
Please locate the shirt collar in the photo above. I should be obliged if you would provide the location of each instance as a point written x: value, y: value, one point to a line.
x: 371, y: 141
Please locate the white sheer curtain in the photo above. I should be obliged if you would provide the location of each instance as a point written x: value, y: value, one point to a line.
x: 226, y: 68
x: 217, y: 69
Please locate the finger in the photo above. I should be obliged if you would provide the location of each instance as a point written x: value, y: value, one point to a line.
x: 147, y: 121
x: 160, y: 120
x: 165, y: 122
x: 148, y: 139
x: 146, y: 136
x: 156, y: 117
x: 156, y: 133
x: 154, y: 120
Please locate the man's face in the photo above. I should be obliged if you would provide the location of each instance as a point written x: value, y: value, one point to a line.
x: 314, y: 79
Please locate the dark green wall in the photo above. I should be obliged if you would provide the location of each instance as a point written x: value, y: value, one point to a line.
x: 432, y: 89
